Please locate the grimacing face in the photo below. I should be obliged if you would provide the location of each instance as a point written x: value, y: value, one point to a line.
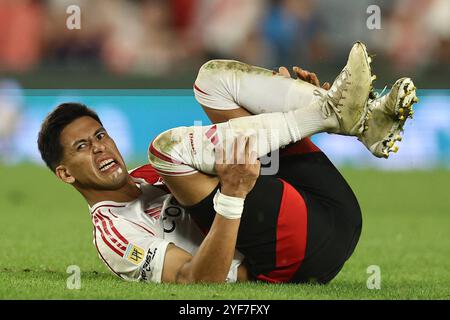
x: 91, y: 159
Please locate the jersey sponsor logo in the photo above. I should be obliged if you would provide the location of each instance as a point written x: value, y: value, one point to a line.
x: 134, y: 254
x: 169, y: 225
x: 191, y: 141
x: 146, y: 267
x: 171, y: 213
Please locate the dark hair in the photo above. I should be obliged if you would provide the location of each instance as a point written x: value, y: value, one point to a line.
x: 49, y: 143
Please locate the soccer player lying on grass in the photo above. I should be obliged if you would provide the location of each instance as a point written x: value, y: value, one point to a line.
x: 214, y: 221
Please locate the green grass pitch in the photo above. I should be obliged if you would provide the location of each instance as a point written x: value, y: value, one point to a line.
x: 45, y: 227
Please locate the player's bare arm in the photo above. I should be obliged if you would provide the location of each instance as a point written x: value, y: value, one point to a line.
x: 212, y: 261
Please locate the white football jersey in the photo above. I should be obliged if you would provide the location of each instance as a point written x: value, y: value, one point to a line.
x: 132, y: 237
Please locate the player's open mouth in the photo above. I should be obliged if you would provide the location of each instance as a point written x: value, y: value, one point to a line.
x: 107, y: 164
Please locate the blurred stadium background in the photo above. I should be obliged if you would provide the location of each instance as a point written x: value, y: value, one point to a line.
x: 135, y: 63
x: 155, y: 44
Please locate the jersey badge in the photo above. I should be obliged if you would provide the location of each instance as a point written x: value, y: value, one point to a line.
x: 134, y: 254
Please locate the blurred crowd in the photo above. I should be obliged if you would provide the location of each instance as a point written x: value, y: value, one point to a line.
x: 155, y: 37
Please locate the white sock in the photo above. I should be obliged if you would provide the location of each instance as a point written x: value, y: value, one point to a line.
x: 186, y: 150
x: 286, y: 111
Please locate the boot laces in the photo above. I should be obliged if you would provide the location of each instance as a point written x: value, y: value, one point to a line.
x: 331, y: 101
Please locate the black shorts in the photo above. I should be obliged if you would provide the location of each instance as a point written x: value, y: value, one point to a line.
x: 299, y: 225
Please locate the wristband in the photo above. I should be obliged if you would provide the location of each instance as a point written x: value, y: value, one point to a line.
x: 228, y: 207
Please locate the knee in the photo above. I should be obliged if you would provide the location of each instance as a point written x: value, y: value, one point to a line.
x: 164, y: 153
x: 222, y: 65
x: 166, y: 141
